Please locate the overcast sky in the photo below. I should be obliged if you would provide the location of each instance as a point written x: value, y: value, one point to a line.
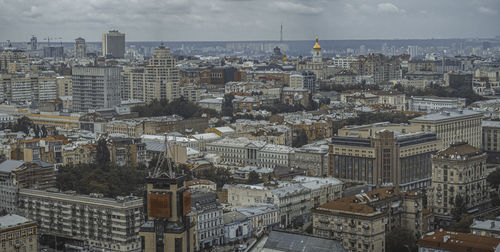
x: 206, y: 20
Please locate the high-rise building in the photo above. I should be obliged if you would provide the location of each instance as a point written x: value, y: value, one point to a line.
x: 113, y: 44
x: 457, y: 172
x: 168, y: 226
x: 161, y: 76
x: 95, y: 88
x: 80, y: 49
x: 33, y: 43
x: 53, y: 52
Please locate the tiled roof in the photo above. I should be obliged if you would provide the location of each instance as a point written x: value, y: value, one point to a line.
x: 454, y: 241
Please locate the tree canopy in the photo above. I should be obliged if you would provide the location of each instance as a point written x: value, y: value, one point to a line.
x: 400, y: 239
x: 180, y: 106
x: 254, y: 178
x: 113, y: 181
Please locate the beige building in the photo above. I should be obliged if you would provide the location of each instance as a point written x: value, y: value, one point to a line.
x: 107, y: 224
x: 458, y: 171
x: 18, y: 234
x: 383, y: 153
x: 361, y: 221
x: 64, y: 86
x: 453, y: 126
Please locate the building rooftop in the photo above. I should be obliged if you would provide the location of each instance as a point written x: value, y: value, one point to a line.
x: 358, y: 204
x: 289, y: 190
x: 459, y: 150
x: 489, y: 225
x: 256, y: 210
x: 290, y: 242
x: 495, y: 124
x: 455, y: 241
x: 9, y: 165
x: 232, y: 217
x: 11, y: 220
x: 446, y: 115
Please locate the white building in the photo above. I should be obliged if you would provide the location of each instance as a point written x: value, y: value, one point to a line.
x: 296, y: 80
x: 212, y: 103
x: 8, y: 188
x: 433, y: 104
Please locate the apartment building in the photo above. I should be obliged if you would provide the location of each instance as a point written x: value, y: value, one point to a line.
x: 383, y: 153
x: 490, y: 140
x: 453, y: 126
x: 262, y: 217
x: 459, y: 171
x: 108, y: 224
x: 95, y: 88
x: 207, y: 213
x: 18, y: 234
x: 361, y: 221
x: 8, y: 187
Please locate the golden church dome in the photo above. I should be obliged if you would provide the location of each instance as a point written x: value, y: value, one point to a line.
x: 317, y: 47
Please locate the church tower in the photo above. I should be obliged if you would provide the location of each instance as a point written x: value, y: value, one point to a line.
x: 317, y: 52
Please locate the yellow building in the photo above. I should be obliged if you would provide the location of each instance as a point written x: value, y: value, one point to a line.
x: 453, y: 126
x: 65, y: 122
x: 361, y: 221
x: 18, y: 234
x: 457, y: 172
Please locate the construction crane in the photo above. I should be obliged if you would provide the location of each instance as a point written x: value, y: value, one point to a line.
x: 49, y: 38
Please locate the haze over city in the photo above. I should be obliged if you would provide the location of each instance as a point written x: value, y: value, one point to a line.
x: 249, y: 125
x: 240, y: 20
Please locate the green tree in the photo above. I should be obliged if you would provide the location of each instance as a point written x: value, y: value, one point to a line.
x: 463, y: 224
x: 44, y: 131
x: 494, y: 178
x: 400, y: 240
x: 254, y: 178
x: 36, y: 129
x: 23, y: 124
x: 459, y: 208
x: 102, y: 153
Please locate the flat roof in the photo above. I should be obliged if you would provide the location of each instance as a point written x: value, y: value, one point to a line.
x: 291, y: 242
x: 455, y: 241
x: 445, y: 115
x: 11, y: 220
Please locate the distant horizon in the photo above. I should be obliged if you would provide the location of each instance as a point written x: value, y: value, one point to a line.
x: 284, y: 40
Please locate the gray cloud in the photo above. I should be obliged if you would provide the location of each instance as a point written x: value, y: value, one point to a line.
x: 248, y: 19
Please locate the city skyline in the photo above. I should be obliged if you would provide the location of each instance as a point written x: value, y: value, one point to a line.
x: 249, y: 20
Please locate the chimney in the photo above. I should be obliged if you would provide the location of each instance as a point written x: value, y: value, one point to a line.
x: 445, y: 238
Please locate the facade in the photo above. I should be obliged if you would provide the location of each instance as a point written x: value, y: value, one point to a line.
x: 168, y: 224
x: 433, y: 104
x: 161, y: 77
x: 64, y: 86
x: 18, y: 234
x: 28, y: 88
x: 95, y: 88
x: 262, y: 217
x: 383, y: 153
x: 80, y: 48
x: 490, y: 140
x: 237, y: 227
x: 294, y: 204
x: 207, y: 212
x: 453, y: 126
x: 108, y: 224
x: 323, y: 190
x: 113, y: 44
x: 296, y: 80
x: 8, y: 187
x: 447, y: 241
x: 361, y: 221
x: 457, y: 172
